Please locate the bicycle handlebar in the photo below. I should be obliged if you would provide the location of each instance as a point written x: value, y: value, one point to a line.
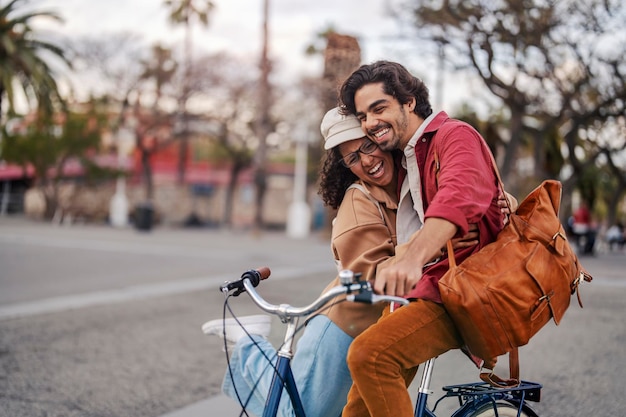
x: 254, y: 275
x: 358, y: 291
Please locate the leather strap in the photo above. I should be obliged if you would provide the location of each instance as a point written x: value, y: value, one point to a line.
x: 494, y: 380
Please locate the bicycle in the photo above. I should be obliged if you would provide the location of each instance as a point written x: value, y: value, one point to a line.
x: 477, y: 399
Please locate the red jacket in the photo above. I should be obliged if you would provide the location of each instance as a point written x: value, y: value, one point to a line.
x: 462, y: 190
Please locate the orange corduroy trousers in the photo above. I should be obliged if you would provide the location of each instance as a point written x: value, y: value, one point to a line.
x: 383, y: 359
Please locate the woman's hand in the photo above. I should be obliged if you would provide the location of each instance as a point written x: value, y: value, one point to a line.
x: 470, y: 239
x: 502, y: 203
x: 504, y: 207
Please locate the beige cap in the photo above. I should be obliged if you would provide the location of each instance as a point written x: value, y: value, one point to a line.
x: 338, y: 128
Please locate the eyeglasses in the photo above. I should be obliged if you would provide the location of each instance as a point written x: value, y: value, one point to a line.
x: 352, y: 158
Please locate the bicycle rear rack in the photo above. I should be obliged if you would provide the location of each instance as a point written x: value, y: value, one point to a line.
x: 526, y: 391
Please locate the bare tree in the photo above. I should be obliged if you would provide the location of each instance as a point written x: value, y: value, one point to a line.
x: 127, y: 84
x: 553, y: 64
x: 106, y: 65
x: 617, y: 172
x: 228, y: 87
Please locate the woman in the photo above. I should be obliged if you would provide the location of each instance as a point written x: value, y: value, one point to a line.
x: 363, y: 235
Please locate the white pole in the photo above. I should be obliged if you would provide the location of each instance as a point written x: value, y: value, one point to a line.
x: 119, y: 204
x: 118, y: 207
x: 299, y: 216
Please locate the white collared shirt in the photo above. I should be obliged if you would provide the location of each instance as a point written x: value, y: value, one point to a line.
x: 410, y: 207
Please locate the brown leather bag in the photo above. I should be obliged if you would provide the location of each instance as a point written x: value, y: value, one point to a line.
x: 505, y: 293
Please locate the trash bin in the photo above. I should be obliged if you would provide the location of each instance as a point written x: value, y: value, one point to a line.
x: 144, y: 214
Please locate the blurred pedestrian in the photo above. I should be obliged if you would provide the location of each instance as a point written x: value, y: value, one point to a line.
x: 616, y: 236
x: 583, y: 229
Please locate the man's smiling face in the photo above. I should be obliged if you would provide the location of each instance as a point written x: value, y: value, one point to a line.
x: 383, y: 118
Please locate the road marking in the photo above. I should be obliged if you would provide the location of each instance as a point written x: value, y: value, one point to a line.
x: 145, y: 291
x: 143, y: 248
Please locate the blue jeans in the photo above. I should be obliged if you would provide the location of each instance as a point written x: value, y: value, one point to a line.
x: 319, y: 369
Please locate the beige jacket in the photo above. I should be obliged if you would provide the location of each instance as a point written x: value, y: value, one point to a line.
x: 363, y: 235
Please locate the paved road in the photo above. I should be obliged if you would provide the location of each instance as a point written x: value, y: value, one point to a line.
x: 102, y: 322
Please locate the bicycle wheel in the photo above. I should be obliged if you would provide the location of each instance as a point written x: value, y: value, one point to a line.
x: 504, y: 409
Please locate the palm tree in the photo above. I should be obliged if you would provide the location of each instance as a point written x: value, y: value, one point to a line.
x: 181, y: 13
x: 160, y: 68
x: 21, y: 61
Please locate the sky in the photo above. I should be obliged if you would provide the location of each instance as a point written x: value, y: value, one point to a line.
x: 236, y: 25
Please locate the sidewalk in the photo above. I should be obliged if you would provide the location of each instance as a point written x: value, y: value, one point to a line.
x: 216, y: 406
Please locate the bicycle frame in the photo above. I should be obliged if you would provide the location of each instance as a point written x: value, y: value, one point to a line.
x: 283, y: 376
x: 424, y: 391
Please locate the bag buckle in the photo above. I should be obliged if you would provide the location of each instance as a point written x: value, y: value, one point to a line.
x: 559, y: 244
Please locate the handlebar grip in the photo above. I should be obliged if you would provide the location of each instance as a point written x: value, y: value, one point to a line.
x: 254, y: 275
x: 264, y: 271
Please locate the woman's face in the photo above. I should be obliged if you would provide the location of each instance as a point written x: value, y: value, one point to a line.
x: 375, y: 168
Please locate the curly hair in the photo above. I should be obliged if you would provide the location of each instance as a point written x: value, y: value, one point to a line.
x: 335, y: 178
x: 397, y: 82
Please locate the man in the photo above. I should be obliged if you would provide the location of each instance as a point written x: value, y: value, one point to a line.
x: 449, y: 185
